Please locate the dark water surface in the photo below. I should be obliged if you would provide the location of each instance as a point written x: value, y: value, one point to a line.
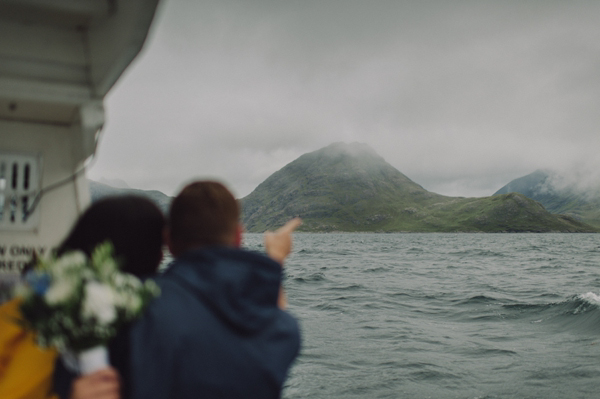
x: 445, y: 315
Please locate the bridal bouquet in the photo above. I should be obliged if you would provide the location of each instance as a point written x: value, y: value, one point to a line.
x: 76, y: 304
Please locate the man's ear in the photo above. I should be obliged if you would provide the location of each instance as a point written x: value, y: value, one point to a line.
x: 168, y: 242
x: 237, y: 241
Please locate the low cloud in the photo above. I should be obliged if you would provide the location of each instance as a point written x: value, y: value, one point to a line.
x: 460, y: 96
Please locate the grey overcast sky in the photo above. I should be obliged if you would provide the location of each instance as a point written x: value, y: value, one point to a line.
x: 460, y: 96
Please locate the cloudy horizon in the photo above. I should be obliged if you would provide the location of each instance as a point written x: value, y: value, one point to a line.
x: 462, y: 97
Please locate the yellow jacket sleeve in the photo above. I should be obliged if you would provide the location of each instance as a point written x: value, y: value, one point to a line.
x: 25, y: 369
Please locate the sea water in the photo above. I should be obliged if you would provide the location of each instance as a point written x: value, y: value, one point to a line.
x: 445, y: 315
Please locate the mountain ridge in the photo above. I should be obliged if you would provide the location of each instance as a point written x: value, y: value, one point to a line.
x: 349, y: 187
x: 100, y: 190
x: 558, y: 194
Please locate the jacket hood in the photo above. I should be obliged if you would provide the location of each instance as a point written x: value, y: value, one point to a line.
x: 240, y: 286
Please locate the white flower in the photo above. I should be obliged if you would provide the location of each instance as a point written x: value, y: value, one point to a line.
x: 99, y: 303
x: 152, y: 288
x: 86, y: 298
x: 60, y: 291
x: 70, y: 261
x: 58, y: 342
x: 127, y: 281
x: 130, y: 302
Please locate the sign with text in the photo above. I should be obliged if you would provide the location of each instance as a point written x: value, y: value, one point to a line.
x: 14, y: 257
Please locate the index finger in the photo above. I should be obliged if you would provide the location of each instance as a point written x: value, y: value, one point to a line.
x: 290, y: 226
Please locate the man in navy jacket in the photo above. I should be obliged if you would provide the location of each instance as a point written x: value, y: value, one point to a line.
x: 218, y: 329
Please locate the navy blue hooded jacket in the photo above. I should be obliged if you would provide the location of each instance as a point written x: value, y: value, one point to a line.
x: 215, y: 331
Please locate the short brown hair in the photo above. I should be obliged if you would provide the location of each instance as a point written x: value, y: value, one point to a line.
x: 205, y: 213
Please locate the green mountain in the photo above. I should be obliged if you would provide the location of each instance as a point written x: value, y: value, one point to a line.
x: 99, y: 190
x: 559, y: 194
x: 348, y: 187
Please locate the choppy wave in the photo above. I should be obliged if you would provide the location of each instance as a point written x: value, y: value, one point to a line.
x: 578, y: 314
x: 591, y: 298
x: 445, y: 315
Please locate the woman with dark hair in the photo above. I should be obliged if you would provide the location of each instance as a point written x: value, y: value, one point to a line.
x: 134, y: 226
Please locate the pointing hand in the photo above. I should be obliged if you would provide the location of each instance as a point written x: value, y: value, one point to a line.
x: 278, y: 244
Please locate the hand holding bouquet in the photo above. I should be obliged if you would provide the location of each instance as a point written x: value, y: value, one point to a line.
x: 76, y: 304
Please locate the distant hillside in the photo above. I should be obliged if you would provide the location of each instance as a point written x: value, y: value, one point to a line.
x: 559, y: 195
x: 348, y: 187
x: 99, y: 190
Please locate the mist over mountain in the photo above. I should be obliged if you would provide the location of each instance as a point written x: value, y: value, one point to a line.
x: 349, y: 187
x: 573, y: 194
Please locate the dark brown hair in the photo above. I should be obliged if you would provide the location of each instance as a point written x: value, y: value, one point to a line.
x: 133, y: 224
x: 205, y: 213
